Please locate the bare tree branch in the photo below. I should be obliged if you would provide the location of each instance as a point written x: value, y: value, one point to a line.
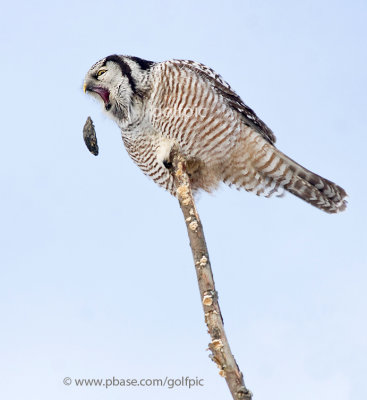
x: 219, y: 346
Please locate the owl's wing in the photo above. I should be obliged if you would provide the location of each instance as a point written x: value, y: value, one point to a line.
x: 232, y: 98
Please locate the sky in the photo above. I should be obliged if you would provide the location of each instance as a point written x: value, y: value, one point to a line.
x: 96, y: 273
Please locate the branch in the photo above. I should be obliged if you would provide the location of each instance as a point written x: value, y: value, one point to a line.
x: 219, y: 346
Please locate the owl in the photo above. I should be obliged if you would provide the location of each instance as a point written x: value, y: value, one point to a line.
x: 185, y: 104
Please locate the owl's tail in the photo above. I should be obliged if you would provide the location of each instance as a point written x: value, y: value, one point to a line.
x: 307, y: 185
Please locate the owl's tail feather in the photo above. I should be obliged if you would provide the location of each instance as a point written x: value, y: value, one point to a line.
x: 308, y: 186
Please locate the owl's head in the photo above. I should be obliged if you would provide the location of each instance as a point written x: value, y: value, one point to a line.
x: 120, y: 82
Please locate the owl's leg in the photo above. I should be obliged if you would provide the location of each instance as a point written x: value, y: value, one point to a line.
x: 201, y: 175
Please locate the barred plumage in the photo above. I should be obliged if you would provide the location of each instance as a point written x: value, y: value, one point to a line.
x: 184, y: 103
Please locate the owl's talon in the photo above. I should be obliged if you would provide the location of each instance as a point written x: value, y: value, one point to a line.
x: 167, y: 164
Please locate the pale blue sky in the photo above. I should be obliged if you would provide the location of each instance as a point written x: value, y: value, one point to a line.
x: 96, y: 271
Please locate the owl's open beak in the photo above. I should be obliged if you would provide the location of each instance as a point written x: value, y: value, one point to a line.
x: 104, y: 93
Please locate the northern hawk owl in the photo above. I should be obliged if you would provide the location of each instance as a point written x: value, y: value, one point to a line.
x: 186, y: 104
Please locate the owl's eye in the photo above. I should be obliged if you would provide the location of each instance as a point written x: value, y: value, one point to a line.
x: 101, y: 72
